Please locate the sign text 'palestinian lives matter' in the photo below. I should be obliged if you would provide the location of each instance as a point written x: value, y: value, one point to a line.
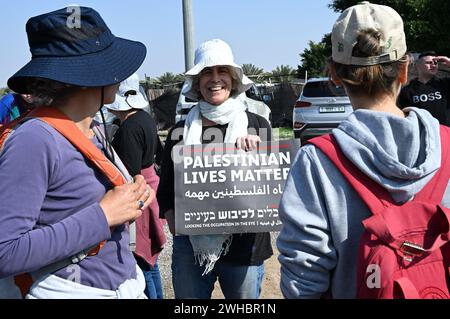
x: 219, y: 189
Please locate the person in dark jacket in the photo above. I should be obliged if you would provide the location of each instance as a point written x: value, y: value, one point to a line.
x: 237, y: 260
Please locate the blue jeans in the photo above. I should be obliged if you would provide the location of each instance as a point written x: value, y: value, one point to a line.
x: 236, y: 281
x: 153, y: 284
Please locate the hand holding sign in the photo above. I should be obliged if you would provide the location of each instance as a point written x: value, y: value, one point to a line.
x: 248, y: 143
x: 219, y: 189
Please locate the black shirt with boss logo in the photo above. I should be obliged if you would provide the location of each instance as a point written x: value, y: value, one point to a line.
x: 434, y: 96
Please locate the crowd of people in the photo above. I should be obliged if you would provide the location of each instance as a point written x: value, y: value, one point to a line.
x: 86, y: 216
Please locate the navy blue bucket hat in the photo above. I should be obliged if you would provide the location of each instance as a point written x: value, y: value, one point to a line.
x: 84, y: 53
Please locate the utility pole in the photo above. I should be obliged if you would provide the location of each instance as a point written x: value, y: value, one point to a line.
x: 188, y: 24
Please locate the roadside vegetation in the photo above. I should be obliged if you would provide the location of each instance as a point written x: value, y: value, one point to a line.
x: 282, y: 133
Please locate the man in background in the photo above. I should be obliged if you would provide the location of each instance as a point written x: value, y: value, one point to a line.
x: 427, y: 91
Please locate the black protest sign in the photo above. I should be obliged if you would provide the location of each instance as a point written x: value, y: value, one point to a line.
x: 222, y: 190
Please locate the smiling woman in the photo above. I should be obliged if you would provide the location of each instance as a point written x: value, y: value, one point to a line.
x: 236, y: 260
x: 216, y: 84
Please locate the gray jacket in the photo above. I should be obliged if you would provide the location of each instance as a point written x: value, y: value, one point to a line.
x: 322, y: 214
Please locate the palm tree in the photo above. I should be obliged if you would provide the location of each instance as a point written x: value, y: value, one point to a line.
x: 253, y: 72
x: 283, y: 73
x: 169, y: 78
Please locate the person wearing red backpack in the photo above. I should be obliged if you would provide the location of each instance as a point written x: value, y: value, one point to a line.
x: 65, y: 208
x: 364, y: 208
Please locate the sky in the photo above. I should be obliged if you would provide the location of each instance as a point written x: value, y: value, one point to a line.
x: 266, y: 33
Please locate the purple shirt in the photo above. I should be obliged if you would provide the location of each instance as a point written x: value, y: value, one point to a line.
x: 49, y: 210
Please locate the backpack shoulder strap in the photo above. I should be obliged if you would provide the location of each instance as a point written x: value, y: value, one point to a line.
x: 375, y: 196
x: 435, y: 189
x: 60, y: 122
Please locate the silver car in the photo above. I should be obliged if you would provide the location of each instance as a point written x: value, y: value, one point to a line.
x: 320, y: 108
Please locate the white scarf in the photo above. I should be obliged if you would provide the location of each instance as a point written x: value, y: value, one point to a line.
x: 209, y: 248
x: 231, y: 112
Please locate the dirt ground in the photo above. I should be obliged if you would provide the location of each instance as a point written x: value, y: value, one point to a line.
x: 271, y: 282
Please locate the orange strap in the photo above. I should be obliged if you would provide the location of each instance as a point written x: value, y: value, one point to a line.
x: 60, y: 122
x: 5, y: 130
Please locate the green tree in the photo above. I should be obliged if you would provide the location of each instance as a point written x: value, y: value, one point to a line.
x: 427, y: 22
x: 283, y: 73
x: 314, y: 58
x: 254, y: 73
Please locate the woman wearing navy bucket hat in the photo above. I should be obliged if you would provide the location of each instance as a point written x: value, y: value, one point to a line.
x: 64, y: 224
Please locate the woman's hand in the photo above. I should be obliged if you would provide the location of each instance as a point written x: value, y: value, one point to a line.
x: 248, y: 143
x: 125, y: 203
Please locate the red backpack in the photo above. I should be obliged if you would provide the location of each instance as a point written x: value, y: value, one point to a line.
x: 404, y: 251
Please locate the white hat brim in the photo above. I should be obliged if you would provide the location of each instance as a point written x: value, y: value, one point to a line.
x: 131, y: 102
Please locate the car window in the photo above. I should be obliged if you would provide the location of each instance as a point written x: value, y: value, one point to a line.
x: 253, y: 93
x: 189, y: 100
x: 322, y: 88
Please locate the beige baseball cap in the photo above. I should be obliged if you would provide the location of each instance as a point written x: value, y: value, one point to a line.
x: 366, y: 16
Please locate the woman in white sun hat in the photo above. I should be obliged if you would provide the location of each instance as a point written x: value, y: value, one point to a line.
x: 237, y: 261
x: 322, y: 213
x: 136, y: 142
